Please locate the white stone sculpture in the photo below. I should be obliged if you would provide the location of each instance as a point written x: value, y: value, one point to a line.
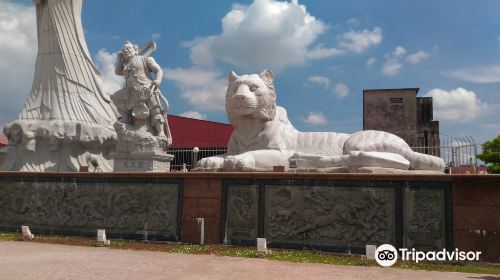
x: 142, y: 127
x: 263, y: 137
x: 67, y: 117
x: 139, y: 103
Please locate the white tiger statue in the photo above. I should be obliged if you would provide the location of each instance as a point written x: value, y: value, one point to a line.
x: 263, y: 137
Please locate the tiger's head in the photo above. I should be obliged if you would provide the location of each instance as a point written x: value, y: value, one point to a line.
x: 251, y: 96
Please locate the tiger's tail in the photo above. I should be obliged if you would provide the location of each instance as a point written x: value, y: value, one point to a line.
x: 420, y: 161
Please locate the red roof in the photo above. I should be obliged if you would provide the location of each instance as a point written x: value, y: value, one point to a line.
x: 189, y: 133
x: 3, y: 140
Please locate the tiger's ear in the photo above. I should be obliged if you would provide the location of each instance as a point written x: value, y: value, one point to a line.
x: 232, y: 77
x: 267, y: 75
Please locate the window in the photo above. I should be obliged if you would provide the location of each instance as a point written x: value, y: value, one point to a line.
x: 396, y: 101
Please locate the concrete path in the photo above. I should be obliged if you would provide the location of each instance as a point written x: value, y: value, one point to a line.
x: 27, y: 260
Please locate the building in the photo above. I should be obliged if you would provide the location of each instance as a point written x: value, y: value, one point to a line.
x: 401, y: 112
x: 210, y: 137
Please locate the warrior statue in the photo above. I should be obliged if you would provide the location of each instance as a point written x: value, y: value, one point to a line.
x: 143, y: 135
x: 140, y: 102
x: 67, y: 117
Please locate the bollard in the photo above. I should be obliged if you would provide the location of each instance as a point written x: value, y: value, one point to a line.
x: 194, y: 159
x: 370, y: 252
x: 201, y: 224
x: 262, y: 245
x: 27, y: 235
x: 101, y: 237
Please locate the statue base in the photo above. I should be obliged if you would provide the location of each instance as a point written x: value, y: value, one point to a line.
x: 57, y: 146
x: 137, y: 150
x: 141, y: 162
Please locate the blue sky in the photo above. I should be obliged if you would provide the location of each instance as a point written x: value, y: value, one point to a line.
x: 323, y: 53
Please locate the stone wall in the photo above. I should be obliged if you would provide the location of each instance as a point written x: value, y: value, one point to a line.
x: 476, y: 215
x: 132, y: 208
x: 202, y: 199
x: 340, y: 216
x: 336, y: 212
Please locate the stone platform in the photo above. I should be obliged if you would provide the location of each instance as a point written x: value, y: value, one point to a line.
x: 141, y: 162
x: 334, y: 212
x: 137, y: 150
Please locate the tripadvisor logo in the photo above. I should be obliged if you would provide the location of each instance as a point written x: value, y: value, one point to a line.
x: 387, y: 255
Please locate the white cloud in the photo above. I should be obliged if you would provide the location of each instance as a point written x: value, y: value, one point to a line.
x: 394, y: 60
x: 458, y: 105
x: 204, y: 89
x: 342, y: 90
x: 201, y: 51
x: 352, y: 41
x: 265, y: 34
x: 105, y: 61
x: 477, y: 74
x: 359, y: 41
x: 417, y: 57
x: 274, y: 34
x: 353, y: 21
x: 398, y: 51
x: 370, y: 62
x: 391, y: 67
x: 320, y: 52
x: 18, y: 45
x: 194, y: 115
x: 320, y: 80
x: 315, y: 118
x: 156, y: 36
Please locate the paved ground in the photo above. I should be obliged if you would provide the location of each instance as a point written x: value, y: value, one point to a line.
x: 26, y: 260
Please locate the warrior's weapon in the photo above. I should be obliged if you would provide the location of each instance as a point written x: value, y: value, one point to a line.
x: 148, y: 49
x: 157, y: 95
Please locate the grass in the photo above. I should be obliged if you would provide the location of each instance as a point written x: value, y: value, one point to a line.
x: 250, y: 252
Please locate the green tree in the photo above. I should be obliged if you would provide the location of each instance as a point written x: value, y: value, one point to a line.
x: 491, y: 154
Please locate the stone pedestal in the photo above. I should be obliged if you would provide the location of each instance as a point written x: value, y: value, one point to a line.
x: 141, y: 162
x: 137, y: 150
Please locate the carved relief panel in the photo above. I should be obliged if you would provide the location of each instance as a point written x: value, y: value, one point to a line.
x: 130, y: 208
x: 424, y: 221
x: 330, y: 216
x: 242, y: 212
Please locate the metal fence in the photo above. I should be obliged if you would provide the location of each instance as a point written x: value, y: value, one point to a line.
x: 455, y: 151
x: 185, y: 157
